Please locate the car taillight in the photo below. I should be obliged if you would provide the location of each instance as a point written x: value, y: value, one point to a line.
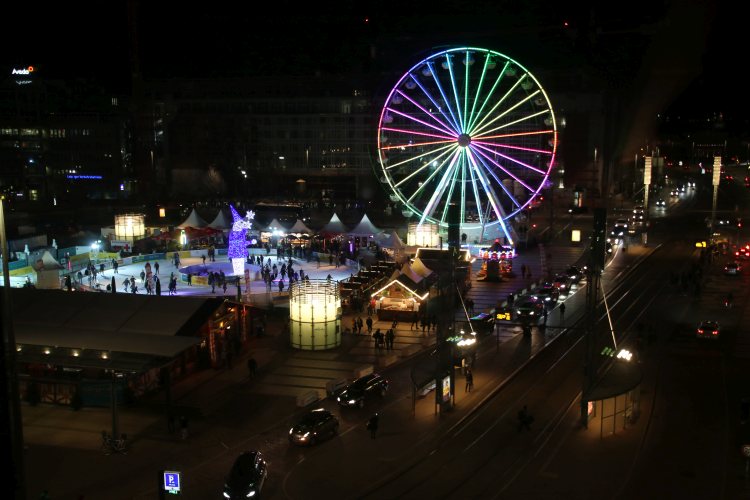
x: 715, y: 332
x: 700, y: 332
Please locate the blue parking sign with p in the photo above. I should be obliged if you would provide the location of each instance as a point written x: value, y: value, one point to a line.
x: 172, y: 481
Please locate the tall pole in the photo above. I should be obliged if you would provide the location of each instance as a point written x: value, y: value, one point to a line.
x: 716, y: 181
x: 11, y: 426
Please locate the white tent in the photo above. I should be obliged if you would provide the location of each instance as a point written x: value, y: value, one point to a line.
x: 364, y: 228
x: 48, y: 261
x: 275, y: 225
x: 334, y: 225
x: 193, y: 220
x: 407, y: 271
x: 221, y: 221
x: 391, y: 241
x: 301, y: 227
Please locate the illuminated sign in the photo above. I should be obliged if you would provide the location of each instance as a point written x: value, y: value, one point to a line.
x: 76, y: 176
x: 446, y: 389
x: 503, y: 316
x: 22, y: 71
x: 575, y: 236
x: 700, y: 244
x: 172, y: 482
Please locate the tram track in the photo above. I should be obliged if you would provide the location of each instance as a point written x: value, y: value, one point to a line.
x: 626, y: 308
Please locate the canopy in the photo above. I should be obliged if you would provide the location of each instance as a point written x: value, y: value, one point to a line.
x: 48, y: 261
x: 300, y: 227
x: 407, y: 271
x: 275, y: 225
x: 334, y: 225
x: 193, y: 220
x: 390, y: 241
x: 365, y: 228
x: 418, y: 267
x: 222, y: 221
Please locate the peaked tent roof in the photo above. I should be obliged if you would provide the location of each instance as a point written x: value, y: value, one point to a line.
x: 193, y: 220
x: 334, y: 225
x: 276, y: 224
x: 300, y: 227
x: 365, y: 227
x: 407, y: 271
x: 221, y: 221
x: 48, y: 261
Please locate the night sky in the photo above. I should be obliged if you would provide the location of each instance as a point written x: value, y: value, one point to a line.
x: 698, y: 46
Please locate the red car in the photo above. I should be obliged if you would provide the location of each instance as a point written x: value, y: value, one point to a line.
x: 708, y: 330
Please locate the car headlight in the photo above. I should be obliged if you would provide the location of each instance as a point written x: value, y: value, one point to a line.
x: 338, y: 399
x: 518, y: 311
x: 352, y: 401
x: 291, y: 431
x: 305, y: 435
x: 250, y: 493
x: 226, y: 495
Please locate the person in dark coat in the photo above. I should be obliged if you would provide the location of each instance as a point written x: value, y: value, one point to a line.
x: 372, y: 425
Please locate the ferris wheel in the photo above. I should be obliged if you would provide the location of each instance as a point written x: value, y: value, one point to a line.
x: 469, y: 126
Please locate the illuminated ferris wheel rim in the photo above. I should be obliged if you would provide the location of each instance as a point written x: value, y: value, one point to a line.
x: 452, y: 133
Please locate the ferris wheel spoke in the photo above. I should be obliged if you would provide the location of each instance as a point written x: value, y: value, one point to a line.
x: 496, y: 164
x: 410, y: 117
x: 424, y: 134
x: 432, y: 175
x: 450, y: 195
x: 451, y: 118
x: 470, y: 118
x: 489, y: 94
x: 512, y: 134
x: 480, y: 124
x: 492, y: 197
x: 447, y: 128
x: 466, y: 90
x: 476, y: 194
x: 445, y: 99
x: 455, y: 92
x: 481, y: 162
x: 528, y: 117
x: 438, y: 193
x: 508, y: 146
x: 414, y: 158
x: 427, y: 164
x: 507, y: 111
x: 510, y: 158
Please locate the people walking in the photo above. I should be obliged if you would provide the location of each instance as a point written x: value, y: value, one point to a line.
x: 156, y: 267
x: 389, y: 338
x: 524, y: 419
x: 369, y: 326
x: 562, y: 311
x: 252, y: 366
x: 469, y: 380
x: 372, y: 425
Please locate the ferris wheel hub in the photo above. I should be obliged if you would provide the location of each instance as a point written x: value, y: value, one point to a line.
x: 464, y: 140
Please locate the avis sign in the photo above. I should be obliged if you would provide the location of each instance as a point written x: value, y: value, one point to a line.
x: 22, y: 71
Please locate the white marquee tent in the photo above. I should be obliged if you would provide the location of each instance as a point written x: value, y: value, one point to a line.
x: 193, y: 220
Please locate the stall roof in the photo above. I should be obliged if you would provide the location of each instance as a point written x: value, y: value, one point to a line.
x: 334, y: 225
x: 300, y: 227
x: 193, y: 220
x: 221, y: 221
x: 391, y: 240
x: 128, y: 327
x: 400, y: 283
x: 275, y: 224
x: 365, y: 228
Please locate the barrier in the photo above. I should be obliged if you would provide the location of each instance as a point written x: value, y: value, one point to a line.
x: 307, y: 398
x: 363, y: 370
x: 335, y: 385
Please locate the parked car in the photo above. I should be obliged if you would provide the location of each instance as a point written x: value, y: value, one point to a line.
x: 528, y: 308
x: 247, y: 476
x: 363, y: 388
x: 562, y: 282
x: 575, y: 274
x: 314, y: 426
x: 708, y: 330
x: 547, y: 293
x: 732, y: 268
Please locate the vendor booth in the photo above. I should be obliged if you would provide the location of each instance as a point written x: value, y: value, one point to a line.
x: 396, y: 301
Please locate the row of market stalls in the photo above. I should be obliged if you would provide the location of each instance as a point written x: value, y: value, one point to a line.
x: 362, y: 234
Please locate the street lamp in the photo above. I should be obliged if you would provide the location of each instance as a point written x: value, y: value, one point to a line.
x: 95, y: 246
